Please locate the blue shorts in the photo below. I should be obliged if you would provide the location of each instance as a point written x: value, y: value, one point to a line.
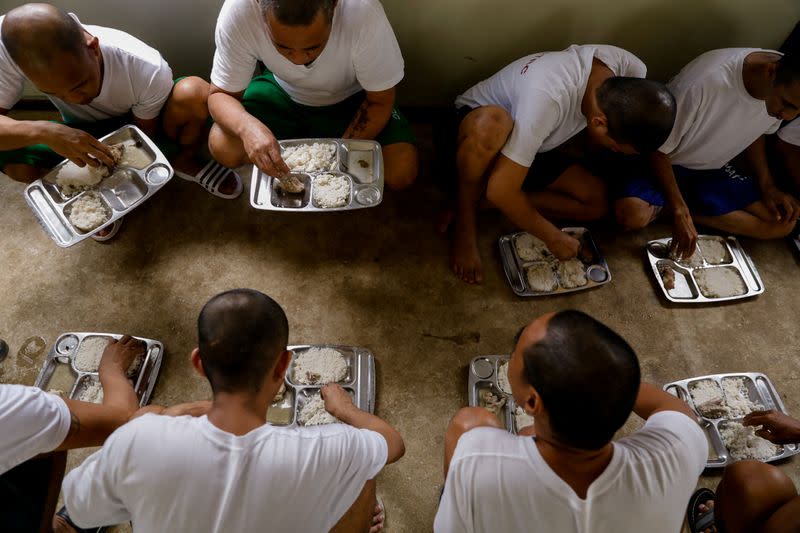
x: 713, y: 192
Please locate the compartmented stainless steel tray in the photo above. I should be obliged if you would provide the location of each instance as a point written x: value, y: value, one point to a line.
x: 59, y: 369
x: 120, y: 193
x: 686, y: 289
x: 360, y: 162
x: 516, y: 268
x: 359, y: 382
x: 760, y: 390
x: 483, y: 377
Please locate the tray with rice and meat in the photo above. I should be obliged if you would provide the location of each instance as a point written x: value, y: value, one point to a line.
x: 718, y: 271
x: 71, y: 367
x: 326, y: 175
x: 722, y: 401
x: 72, y: 203
x: 488, y: 387
x: 531, y: 270
x: 299, y: 402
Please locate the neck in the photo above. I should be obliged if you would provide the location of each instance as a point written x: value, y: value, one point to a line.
x: 600, y: 73
x: 239, y: 412
x: 578, y: 468
x: 756, y: 73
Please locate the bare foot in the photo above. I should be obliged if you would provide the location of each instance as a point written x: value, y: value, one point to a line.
x: 704, y: 508
x: 464, y: 255
x: 61, y: 526
x: 378, y: 519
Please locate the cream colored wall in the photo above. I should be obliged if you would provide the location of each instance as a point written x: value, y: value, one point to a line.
x: 450, y: 44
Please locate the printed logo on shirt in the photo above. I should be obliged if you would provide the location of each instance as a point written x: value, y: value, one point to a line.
x: 531, y: 60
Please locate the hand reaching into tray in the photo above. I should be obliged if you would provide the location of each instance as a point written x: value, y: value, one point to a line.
x: 776, y: 427
x: 684, y: 235
x: 77, y: 146
x: 263, y: 150
x: 338, y: 401
x: 120, y: 354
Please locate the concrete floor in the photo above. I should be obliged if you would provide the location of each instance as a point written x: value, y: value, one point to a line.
x: 377, y: 278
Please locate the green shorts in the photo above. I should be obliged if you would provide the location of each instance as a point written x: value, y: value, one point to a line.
x: 269, y: 103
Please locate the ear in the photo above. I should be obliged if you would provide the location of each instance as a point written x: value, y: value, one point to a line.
x: 599, y: 121
x: 282, y: 365
x: 533, y: 405
x: 92, y: 42
x: 197, y: 363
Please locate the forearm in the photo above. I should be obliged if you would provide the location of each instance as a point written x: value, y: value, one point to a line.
x: 21, y: 133
x: 118, y: 392
x: 516, y: 206
x: 357, y: 418
x: 662, y: 168
x: 369, y: 121
x: 756, y: 155
x: 652, y: 400
x: 91, y: 424
x: 230, y: 115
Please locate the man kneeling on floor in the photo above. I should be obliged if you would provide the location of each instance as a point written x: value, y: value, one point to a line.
x: 535, y: 138
x: 230, y: 471
x: 580, y: 381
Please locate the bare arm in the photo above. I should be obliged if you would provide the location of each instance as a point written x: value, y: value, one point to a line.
x: 652, y: 400
x: 339, y: 404
x: 372, y: 116
x: 505, y: 191
x: 782, y: 206
x: 148, y: 126
x: 684, y: 234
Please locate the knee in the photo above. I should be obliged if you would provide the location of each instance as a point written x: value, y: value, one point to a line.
x: 632, y: 213
x: 225, y: 149
x: 468, y: 418
x: 754, y: 479
x: 190, y: 95
x: 595, y: 203
x: 402, y: 167
x: 488, y: 129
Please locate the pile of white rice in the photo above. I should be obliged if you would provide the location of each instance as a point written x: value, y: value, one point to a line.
x: 695, y: 261
x: 317, y: 157
x: 313, y: 413
x: 88, y: 212
x: 737, y: 398
x: 720, y: 282
x: 91, y: 392
x: 90, y: 351
x: 743, y: 443
x: 491, y: 401
x: 523, y: 419
x: 502, y: 378
x: 530, y: 248
x: 331, y: 191
x: 73, y: 179
x: 714, y: 251
x: 319, y: 366
x: 708, y: 399
x: 541, y: 277
x: 572, y: 274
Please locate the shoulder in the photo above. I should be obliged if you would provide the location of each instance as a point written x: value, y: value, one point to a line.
x: 22, y: 399
x: 358, y: 14
x: 239, y: 11
x: 711, y: 68
x: 669, y: 431
x: 126, y: 46
x: 486, y: 441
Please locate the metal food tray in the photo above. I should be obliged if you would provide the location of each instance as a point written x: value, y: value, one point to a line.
x: 686, y: 288
x: 66, y: 346
x: 359, y: 382
x: 597, y: 271
x: 121, y: 192
x: 366, y: 184
x: 483, y: 371
x: 759, y: 388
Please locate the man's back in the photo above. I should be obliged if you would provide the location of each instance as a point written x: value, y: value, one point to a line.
x: 499, y: 482
x: 168, y: 474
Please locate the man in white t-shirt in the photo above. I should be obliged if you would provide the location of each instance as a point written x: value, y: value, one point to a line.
x: 713, y: 167
x: 580, y: 381
x: 534, y: 138
x: 99, y: 79
x: 231, y: 471
x: 332, y: 71
x: 788, y: 153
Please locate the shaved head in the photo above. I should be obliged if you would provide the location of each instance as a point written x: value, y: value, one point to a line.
x: 38, y: 35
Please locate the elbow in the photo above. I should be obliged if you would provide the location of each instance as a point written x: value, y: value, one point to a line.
x: 397, y: 449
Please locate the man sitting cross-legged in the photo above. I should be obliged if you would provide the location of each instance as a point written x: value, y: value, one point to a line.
x: 580, y: 381
x: 230, y: 471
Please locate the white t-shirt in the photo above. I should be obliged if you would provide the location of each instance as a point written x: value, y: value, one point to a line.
x: 361, y: 53
x: 790, y: 133
x: 31, y: 422
x: 185, y: 474
x: 136, y: 80
x: 500, y: 482
x: 717, y: 118
x: 543, y: 94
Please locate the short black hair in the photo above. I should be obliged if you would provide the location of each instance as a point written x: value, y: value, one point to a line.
x: 640, y: 112
x: 241, y: 334
x: 587, y: 376
x: 36, y: 35
x: 788, y: 69
x: 298, y: 12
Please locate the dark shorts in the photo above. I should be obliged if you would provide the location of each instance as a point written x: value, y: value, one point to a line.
x: 25, y: 492
x: 713, y: 192
x: 269, y: 103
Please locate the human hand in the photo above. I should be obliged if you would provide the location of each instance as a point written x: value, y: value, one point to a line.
x: 564, y: 246
x: 782, y: 206
x: 77, y: 146
x: 684, y: 235
x: 263, y: 150
x: 776, y: 427
x: 120, y: 354
x: 337, y: 400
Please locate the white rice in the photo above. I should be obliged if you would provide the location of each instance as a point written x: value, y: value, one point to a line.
x: 73, y: 179
x: 331, y: 191
x: 316, y: 157
x: 695, y: 261
x: 134, y: 156
x: 319, y: 366
x: 743, y: 443
x: 291, y: 184
x: 491, y: 401
x: 523, y: 419
x: 737, y: 398
x: 720, y: 282
x: 572, y: 274
x: 708, y: 399
x: 502, y: 378
x: 92, y: 392
x: 530, y: 248
x: 541, y: 277
x: 90, y: 351
x: 88, y: 212
x: 313, y: 413
x: 714, y: 251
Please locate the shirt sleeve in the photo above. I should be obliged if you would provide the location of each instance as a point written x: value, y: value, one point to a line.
x: 33, y: 422
x: 536, y: 116
x: 369, y: 451
x: 790, y: 133
x: 621, y: 62
x: 377, y: 58
x: 154, y: 91
x: 234, y: 63
x: 684, y: 435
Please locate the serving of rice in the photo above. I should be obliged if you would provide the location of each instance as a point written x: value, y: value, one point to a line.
x: 502, y: 378
x: 541, y: 277
x: 720, y: 282
x: 73, y: 179
x: 330, y: 191
x: 491, y: 401
x: 708, y: 399
x: 572, y: 274
x: 313, y: 413
x: 530, y: 248
x: 90, y: 351
x: 319, y: 366
x: 522, y: 418
x: 316, y: 157
x: 743, y: 443
x: 88, y: 212
x: 91, y: 392
x: 714, y: 251
x: 737, y: 397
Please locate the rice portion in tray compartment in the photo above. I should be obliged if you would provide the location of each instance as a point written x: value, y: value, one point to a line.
x: 502, y: 378
x: 572, y: 274
x: 315, y: 157
x: 530, y: 248
x: 708, y: 399
x: 715, y: 251
x: 737, y: 397
x: 541, y: 277
x: 88, y: 212
x: 90, y: 351
x: 90, y: 390
x: 330, y: 191
x: 313, y: 413
x: 720, y: 282
x: 319, y: 366
x: 743, y: 443
x: 522, y: 418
